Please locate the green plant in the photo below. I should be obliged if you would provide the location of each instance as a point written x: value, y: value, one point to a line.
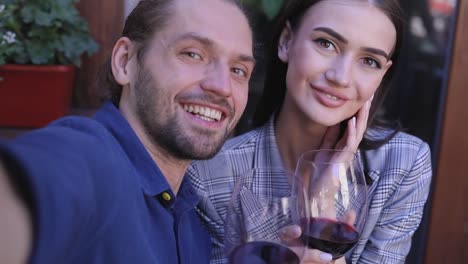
x: 43, y: 32
x: 268, y: 7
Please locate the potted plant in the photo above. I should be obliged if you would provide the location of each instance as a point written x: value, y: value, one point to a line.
x: 41, y: 43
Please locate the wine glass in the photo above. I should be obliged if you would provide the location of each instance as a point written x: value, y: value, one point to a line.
x: 337, y: 203
x: 267, y: 204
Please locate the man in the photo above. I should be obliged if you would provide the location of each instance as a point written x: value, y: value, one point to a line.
x: 111, y: 189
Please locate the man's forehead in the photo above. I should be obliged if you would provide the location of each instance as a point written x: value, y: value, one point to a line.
x: 219, y: 21
x: 222, y: 9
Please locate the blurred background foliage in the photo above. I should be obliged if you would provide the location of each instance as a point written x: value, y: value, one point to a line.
x: 43, y: 32
x: 268, y: 7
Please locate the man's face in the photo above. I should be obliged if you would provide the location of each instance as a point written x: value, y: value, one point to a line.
x: 191, y: 87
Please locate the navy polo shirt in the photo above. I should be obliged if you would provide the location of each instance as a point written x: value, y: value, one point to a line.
x: 100, y: 198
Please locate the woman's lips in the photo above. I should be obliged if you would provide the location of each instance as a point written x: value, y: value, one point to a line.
x: 328, y: 99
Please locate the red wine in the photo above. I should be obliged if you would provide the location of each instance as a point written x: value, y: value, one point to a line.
x: 330, y: 236
x: 261, y: 252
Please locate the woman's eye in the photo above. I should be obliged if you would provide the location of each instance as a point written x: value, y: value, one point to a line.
x: 324, y: 43
x: 371, y: 63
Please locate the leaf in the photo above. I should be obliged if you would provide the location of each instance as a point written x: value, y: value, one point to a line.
x: 17, y: 54
x: 271, y: 7
x: 27, y: 14
x: 40, y: 53
x: 92, y: 47
x: 43, y: 19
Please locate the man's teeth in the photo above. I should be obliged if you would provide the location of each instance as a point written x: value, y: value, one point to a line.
x: 204, y: 113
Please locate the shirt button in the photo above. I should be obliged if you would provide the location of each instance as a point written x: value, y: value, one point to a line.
x: 166, y: 196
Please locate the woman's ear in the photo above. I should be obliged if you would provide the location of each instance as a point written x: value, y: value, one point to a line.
x: 284, y: 42
x: 120, y: 61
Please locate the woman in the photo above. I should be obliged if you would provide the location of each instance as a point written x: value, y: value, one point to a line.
x: 330, y: 67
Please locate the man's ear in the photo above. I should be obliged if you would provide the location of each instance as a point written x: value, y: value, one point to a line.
x: 284, y: 42
x: 120, y: 61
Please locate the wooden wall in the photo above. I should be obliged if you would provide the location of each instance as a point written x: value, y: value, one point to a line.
x: 105, y: 19
x: 448, y: 227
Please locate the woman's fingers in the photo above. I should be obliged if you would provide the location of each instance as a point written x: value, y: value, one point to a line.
x: 350, y: 217
x: 356, y: 127
x: 312, y: 256
x: 348, y: 142
x: 355, y: 130
x: 362, y: 118
x: 330, y: 138
x: 290, y: 233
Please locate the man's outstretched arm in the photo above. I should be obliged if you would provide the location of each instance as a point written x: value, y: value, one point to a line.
x: 15, y: 223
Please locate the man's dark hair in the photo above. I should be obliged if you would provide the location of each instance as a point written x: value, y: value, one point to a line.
x: 147, y: 18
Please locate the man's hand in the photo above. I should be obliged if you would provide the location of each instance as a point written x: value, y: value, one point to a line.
x: 15, y: 224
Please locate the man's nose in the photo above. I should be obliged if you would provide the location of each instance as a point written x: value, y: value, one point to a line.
x: 217, y: 80
x: 339, y: 72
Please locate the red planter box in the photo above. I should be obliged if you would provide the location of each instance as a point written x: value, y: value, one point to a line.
x: 34, y: 95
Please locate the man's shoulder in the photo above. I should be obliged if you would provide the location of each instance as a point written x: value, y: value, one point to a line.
x: 77, y: 126
x: 67, y: 132
x: 66, y: 146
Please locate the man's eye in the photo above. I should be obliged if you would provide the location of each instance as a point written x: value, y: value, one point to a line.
x: 193, y: 55
x: 239, y: 72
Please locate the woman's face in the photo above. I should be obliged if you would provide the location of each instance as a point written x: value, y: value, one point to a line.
x: 336, y: 59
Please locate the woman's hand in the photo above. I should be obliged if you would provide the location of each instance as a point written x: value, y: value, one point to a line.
x: 311, y: 255
x: 353, y: 135
x: 291, y: 235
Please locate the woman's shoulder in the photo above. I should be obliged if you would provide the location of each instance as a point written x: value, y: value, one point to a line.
x: 399, y: 140
x: 403, y: 150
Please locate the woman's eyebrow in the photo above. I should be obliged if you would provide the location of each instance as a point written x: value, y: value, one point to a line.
x: 333, y: 33
x: 342, y: 39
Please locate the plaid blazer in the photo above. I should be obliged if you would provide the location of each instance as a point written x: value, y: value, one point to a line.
x: 400, y: 173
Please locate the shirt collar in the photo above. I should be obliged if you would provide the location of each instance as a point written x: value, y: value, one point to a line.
x: 152, y: 180
x: 188, y: 193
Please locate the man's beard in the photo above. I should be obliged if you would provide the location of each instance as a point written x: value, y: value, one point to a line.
x: 166, y: 131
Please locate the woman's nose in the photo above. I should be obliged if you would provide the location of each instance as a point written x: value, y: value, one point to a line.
x: 340, y: 73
